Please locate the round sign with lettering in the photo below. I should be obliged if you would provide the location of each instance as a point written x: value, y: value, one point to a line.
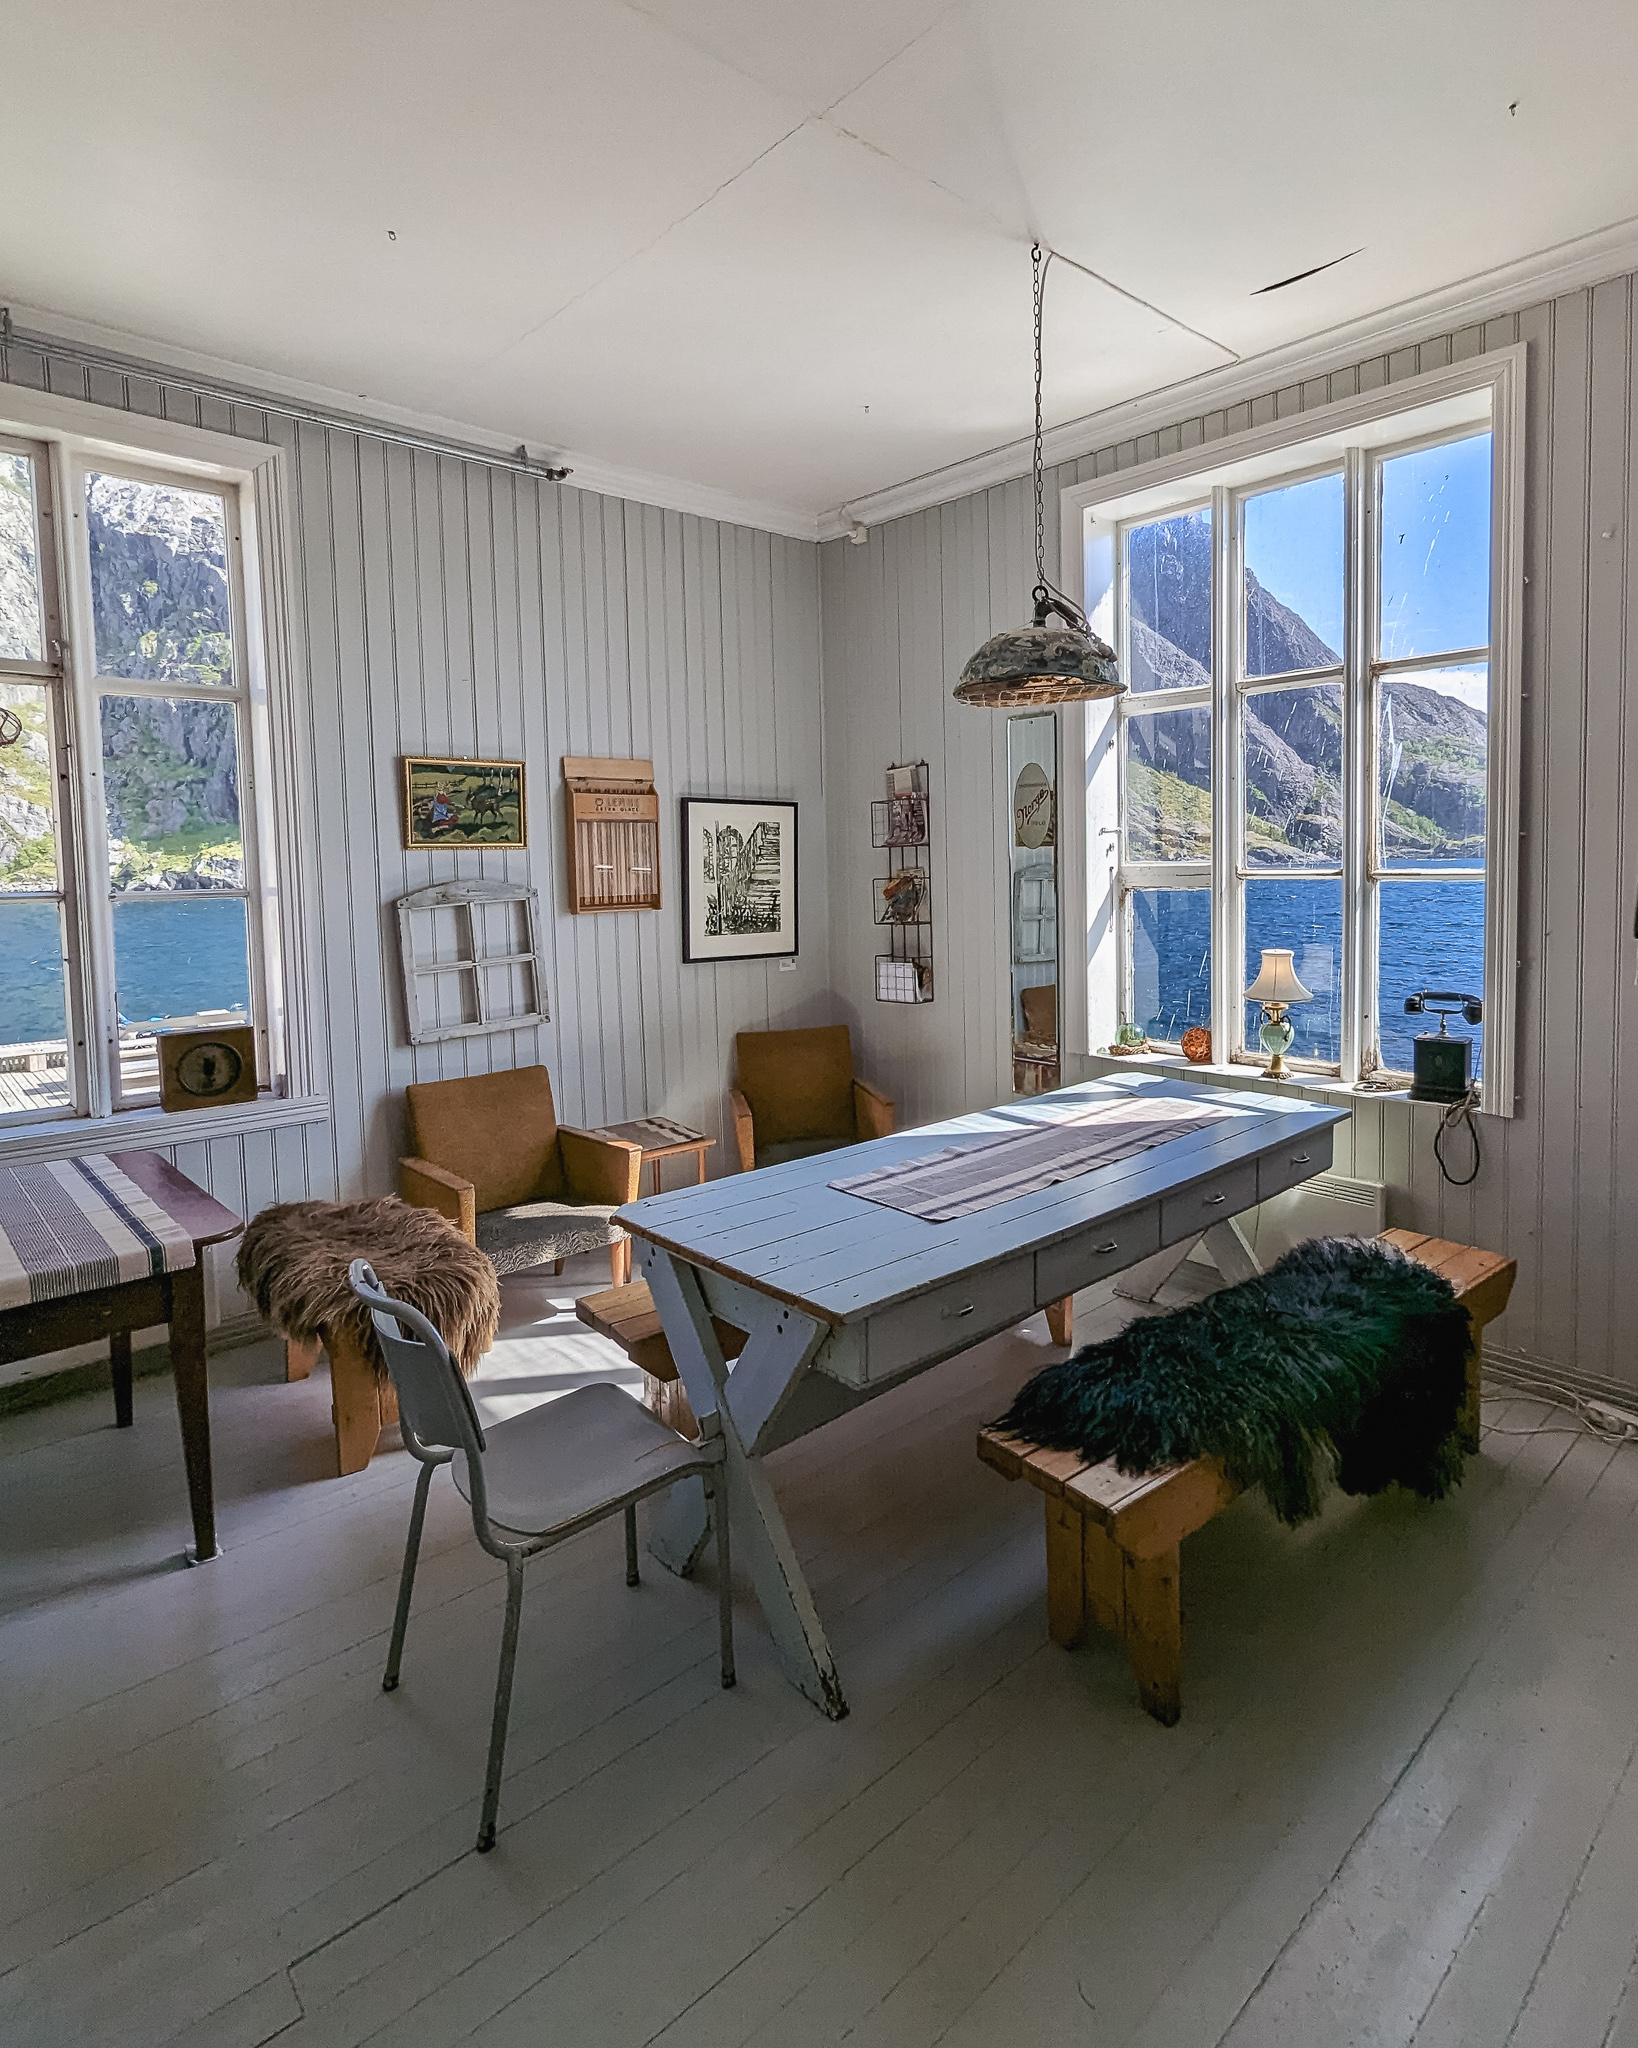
x: 1034, y: 814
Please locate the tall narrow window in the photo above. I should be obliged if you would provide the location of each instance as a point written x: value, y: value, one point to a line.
x: 1307, y: 753
x: 166, y: 611
x: 1290, y: 682
x: 132, y: 895
x: 37, y: 1071
x: 1430, y: 696
x: 1166, y: 757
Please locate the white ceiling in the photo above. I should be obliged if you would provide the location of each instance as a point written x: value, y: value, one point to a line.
x: 779, y: 248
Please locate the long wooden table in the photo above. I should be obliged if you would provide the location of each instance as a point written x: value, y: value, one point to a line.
x: 842, y: 1298
x: 176, y: 1299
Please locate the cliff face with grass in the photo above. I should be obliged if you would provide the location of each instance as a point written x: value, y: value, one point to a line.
x: 1431, y: 747
x: 169, y: 764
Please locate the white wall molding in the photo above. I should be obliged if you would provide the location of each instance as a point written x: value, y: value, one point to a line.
x: 1591, y: 259
x: 38, y: 331
x: 155, y: 1130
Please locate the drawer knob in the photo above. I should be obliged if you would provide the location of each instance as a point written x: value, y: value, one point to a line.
x: 1103, y: 1250
x: 955, y: 1314
x: 1299, y: 1159
x: 1211, y: 1201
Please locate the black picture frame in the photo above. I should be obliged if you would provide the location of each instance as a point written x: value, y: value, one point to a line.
x: 713, y: 827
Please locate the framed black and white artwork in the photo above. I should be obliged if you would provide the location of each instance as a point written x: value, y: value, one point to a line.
x: 739, y: 879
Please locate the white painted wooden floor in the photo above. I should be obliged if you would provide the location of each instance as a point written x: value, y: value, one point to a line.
x: 1401, y: 1804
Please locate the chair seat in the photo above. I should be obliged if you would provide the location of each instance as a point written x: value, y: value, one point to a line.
x: 593, y: 1449
x: 529, y: 1234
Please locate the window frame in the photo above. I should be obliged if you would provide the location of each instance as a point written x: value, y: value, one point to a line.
x: 76, y: 438
x: 1357, y: 435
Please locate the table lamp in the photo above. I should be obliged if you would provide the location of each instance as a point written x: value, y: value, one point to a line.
x: 1276, y: 988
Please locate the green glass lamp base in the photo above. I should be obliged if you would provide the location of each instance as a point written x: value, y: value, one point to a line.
x: 1276, y: 1038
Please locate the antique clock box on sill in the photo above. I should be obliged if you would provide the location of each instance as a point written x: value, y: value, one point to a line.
x: 207, y: 1069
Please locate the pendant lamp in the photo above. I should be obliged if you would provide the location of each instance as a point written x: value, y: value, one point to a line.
x: 1041, y: 663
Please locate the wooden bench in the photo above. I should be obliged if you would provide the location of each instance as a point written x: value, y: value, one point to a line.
x: 627, y: 1316
x: 1113, y: 1539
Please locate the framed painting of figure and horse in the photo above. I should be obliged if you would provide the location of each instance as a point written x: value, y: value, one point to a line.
x: 463, y: 803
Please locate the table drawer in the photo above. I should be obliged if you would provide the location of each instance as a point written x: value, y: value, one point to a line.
x: 1110, y: 1248
x: 1199, y: 1208
x: 951, y: 1316
x: 1293, y: 1163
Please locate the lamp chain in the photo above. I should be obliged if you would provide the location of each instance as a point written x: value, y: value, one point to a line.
x: 1040, y: 482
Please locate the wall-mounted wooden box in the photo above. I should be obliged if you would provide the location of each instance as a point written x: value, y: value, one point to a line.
x: 614, y: 834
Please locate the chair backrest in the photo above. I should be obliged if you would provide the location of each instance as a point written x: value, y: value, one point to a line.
x: 435, y: 1404
x: 799, y: 1083
x: 499, y: 1131
x: 1040, y: 1008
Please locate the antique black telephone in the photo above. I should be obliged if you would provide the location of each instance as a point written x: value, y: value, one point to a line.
x: 1442, y: 1060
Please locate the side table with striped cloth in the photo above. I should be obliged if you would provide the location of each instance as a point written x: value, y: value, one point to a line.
x: 100, y: 1246
x: 68, y: 1226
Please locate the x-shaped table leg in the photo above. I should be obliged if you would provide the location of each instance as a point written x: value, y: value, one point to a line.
x: 747, y: 1398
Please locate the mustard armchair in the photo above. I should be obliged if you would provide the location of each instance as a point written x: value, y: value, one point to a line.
x: 796, y: 1093
x: 490, y: 1154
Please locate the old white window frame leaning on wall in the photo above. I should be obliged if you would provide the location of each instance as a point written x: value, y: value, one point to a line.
x: 70, y: 437
x: 1486, y: 391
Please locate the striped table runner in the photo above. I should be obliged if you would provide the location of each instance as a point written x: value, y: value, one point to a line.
x: 71, y: 1225
x: 939, y: 1187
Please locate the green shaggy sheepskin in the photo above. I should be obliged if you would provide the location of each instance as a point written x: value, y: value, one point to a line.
x: 1347, y: 1360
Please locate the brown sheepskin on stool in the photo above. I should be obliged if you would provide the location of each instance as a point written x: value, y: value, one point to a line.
x: 293, y: 1264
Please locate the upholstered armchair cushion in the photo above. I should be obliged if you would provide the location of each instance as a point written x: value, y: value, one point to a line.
x: 497, y: 1131
x: 533, y: 1233
x: 799, y: 1084
x: 796, y: 1094
x: 522, y: 1187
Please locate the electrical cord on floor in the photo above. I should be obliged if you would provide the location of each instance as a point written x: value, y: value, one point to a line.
x: 1459, y: 1113
x: 1563, y: 1401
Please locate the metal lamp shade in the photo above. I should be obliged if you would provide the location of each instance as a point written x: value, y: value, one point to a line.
x: 1039, y: 664
x: 1277, y: 980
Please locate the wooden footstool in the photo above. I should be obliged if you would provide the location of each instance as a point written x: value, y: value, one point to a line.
x: 1113, y: 1538
x: 293, y: 1264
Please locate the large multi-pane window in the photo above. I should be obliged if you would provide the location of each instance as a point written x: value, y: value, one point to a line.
x: 1304, y: 755
x: 129, y: 886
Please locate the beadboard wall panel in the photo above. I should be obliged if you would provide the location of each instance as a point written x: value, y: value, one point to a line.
x: 441, y: 605
x: 1559, y: 1182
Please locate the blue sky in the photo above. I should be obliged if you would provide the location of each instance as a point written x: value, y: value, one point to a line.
x: 1435, y: 549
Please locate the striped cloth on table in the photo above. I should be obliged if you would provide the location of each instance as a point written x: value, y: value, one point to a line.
x: 68, y: 1226
x: 939, y: 1187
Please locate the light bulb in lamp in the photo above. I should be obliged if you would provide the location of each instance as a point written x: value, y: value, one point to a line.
x: 1277, y: 988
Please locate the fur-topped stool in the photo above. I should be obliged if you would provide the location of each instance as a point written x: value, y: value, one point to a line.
x: 293, y: 1264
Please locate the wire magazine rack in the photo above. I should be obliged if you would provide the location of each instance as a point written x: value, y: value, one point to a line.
x: 902, y: 889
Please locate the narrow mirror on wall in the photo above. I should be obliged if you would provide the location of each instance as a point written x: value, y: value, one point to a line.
x: 1032, y: 776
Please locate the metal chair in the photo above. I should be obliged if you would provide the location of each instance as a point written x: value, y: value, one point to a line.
x: 532, y: 1481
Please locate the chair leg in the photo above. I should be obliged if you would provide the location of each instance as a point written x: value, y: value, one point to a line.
x: 631, y: 1543
x: 557, y: 1267
x: 718, y: 1491
x: 406, y: 1579
x: 503, y: 1704
x: 620, y: 1262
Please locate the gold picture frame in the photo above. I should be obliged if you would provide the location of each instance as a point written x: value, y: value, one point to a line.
x: 450, y: 803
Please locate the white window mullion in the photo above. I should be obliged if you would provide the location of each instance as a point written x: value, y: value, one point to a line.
x: 87, y: 833
x: 1227, y: 906
x: 1357, y: 964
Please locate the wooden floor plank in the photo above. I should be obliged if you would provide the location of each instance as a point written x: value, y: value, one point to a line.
x: 220, y: 1831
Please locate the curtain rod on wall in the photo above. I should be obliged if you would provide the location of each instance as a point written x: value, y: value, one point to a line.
x: 520, y: 464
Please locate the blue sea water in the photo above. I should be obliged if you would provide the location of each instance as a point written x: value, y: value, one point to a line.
x: 172, y: 957
x: 1432, y: 936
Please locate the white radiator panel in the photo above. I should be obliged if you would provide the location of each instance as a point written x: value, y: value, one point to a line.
x: 1329, y: 1205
